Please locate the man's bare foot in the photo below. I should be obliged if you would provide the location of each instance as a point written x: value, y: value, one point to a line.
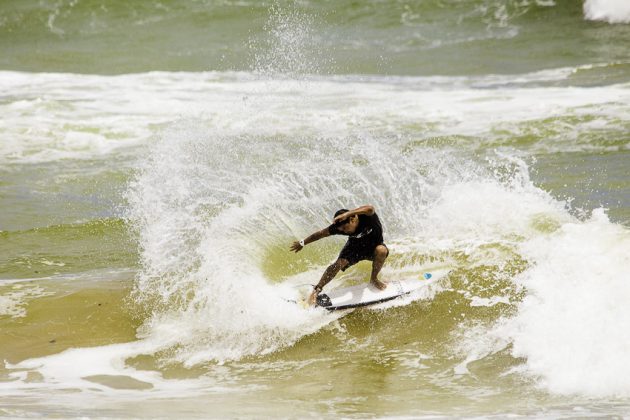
x: 312, y: 299
x: 379, y: 284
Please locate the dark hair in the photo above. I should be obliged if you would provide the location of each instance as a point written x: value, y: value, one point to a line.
x: 343, y: 222
x: 341, y: 211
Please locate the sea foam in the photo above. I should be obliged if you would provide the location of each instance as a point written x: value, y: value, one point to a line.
x: 611, y: 11
x: 572, y: 327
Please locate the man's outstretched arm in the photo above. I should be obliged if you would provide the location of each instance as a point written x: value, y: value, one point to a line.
x: 298, y: 245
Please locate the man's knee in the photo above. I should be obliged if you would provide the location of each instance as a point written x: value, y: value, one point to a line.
x: 381, y: 252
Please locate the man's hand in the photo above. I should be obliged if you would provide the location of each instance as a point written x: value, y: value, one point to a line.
x: 296, y: 247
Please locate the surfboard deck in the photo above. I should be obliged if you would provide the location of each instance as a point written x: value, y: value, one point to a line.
x: 366, y: 294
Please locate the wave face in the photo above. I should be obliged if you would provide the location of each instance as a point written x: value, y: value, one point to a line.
x: 217, y: 205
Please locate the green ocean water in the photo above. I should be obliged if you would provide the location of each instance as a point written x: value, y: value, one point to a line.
x: 157, y: 159
x: 372, y: 37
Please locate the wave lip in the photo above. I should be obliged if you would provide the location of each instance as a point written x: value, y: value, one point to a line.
x: 611, y: 11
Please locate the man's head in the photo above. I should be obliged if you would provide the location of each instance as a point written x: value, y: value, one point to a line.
x: 340, y: 212
x: 348, y: 225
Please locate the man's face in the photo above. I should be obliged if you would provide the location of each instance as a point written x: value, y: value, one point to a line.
x: 351, y: 226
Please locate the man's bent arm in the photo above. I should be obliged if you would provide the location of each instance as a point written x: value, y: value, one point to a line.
x: 367, y: 210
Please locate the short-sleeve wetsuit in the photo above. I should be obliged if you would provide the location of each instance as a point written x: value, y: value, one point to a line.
x: 362, y: 243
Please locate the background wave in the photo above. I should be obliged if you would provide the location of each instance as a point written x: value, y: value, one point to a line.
x: 455, y: 37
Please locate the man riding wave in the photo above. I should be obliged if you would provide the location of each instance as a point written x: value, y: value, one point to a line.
x: 365, y: 242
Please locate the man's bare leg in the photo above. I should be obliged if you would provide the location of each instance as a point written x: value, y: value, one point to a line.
x: 329, y: 274
x: 380, y: 254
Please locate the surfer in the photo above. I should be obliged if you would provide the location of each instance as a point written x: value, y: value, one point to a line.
x: 365, y: 242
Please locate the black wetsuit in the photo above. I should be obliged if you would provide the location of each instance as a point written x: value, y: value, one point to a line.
x: 362, y: 243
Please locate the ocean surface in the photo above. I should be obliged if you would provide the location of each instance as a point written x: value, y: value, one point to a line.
x: 158, y: 158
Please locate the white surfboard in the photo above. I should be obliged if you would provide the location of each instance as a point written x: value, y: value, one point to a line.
x: 366, y: 294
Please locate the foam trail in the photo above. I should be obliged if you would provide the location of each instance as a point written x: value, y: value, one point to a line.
x: 611, y: 11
